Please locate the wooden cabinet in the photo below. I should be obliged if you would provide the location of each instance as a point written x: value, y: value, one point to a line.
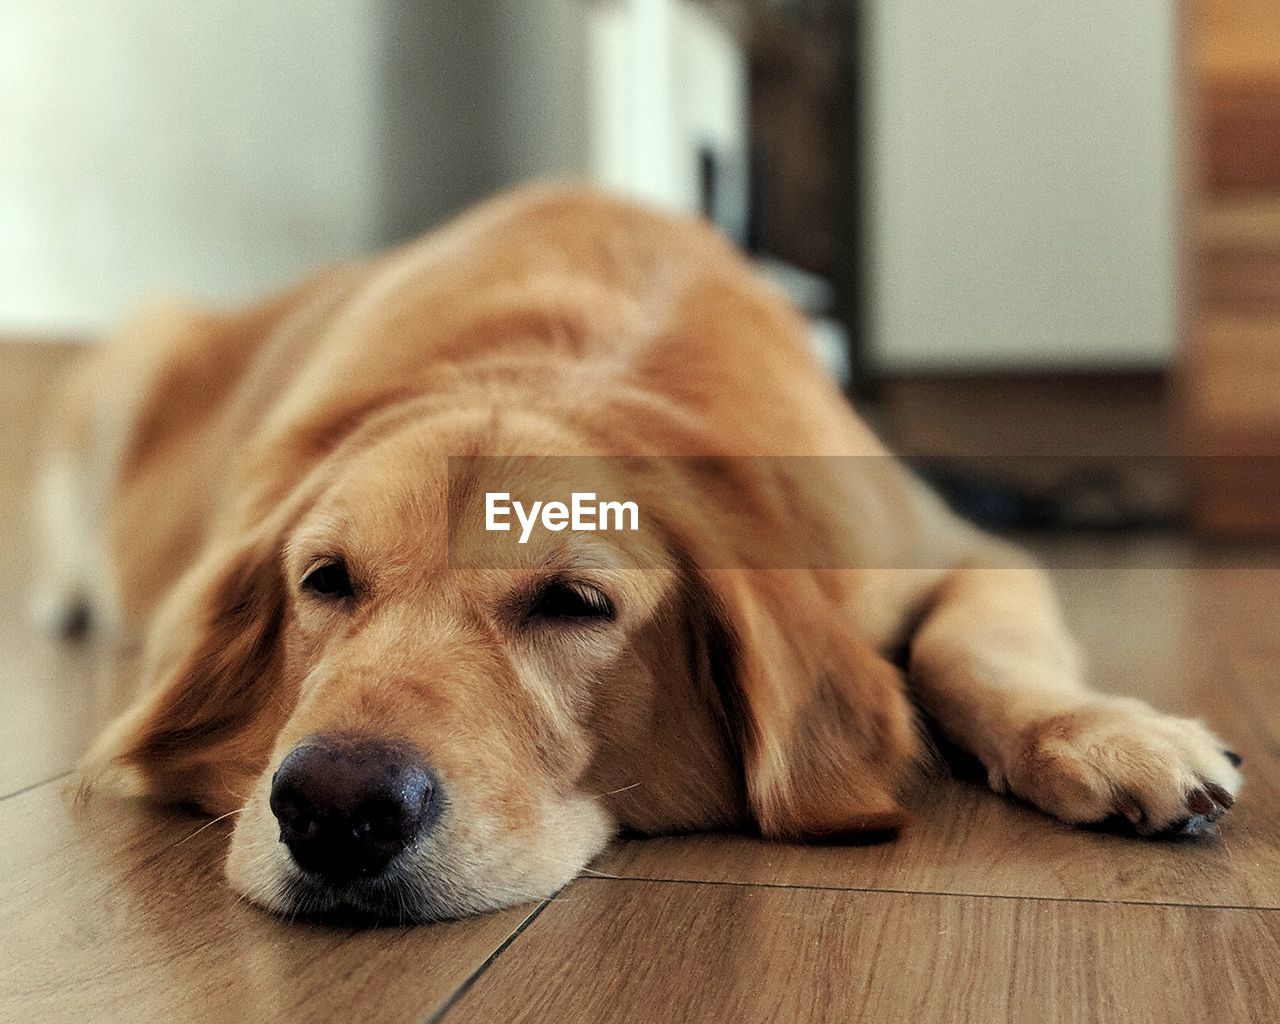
x: 1231, y: 370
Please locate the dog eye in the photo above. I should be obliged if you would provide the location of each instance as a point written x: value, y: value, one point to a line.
x: 329, y: 579
x: 570, y: 601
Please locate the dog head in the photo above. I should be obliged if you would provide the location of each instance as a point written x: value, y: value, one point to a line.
x: 407, y: 726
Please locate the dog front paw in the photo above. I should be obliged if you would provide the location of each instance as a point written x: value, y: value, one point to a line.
x: 1116, y: 758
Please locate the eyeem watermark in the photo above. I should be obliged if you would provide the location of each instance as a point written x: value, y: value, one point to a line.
x: 582, y: 513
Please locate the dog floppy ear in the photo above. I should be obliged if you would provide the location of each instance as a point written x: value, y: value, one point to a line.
x: 823, y: 724
x: 212, y: 681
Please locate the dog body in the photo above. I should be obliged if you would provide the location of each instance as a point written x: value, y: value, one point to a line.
x: 265, y: 502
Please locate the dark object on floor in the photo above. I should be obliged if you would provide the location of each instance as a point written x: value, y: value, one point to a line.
x: 1096, y: 498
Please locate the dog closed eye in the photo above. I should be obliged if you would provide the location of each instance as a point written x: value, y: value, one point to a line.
x: 329, y: 580
x: 569, y: 601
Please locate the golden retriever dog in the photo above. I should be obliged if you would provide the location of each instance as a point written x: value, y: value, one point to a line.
x: 288, y: 512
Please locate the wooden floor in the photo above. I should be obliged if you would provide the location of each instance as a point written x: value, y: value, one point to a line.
x: 982, y: 912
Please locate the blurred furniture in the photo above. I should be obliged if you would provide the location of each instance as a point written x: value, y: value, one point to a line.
x: 1021, y: 193
x: 1022, y: 246
x: 1231, y: 379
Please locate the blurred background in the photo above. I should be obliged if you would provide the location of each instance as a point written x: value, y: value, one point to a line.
x: 1018, y: 229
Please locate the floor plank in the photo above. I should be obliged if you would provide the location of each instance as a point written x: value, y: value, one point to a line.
x: 47, y: 717
x: 1158, y: 630
x: 114, y: 912
x: 46, y: 687
x: 1255, y: 678
x: 652, y: 951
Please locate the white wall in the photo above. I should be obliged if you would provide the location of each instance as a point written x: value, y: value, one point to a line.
x: 1022, y: 194
x: 219, y: 148
x: 209, y: 148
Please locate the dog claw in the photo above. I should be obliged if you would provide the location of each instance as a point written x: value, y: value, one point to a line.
x: 1206, y: 804
x: 1131, y: 809
x: 1219, y: 795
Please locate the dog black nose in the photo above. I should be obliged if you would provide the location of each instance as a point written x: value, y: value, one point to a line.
x: 348, y: 805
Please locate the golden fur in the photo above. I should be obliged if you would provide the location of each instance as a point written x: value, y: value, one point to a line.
x: 747, y: 680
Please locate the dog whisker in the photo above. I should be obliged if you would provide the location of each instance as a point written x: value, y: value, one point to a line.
x: 221, y: 817
x: 240, y: 798
x: 623, y: 789
x: 550, y: 859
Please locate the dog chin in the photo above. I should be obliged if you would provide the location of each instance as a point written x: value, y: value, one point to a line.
x: 392, y: 899
x: 404, y: 894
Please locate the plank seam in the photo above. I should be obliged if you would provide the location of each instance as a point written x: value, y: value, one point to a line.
x: 933, y: 892
x: 36, y: 785
x: 457, y: 994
